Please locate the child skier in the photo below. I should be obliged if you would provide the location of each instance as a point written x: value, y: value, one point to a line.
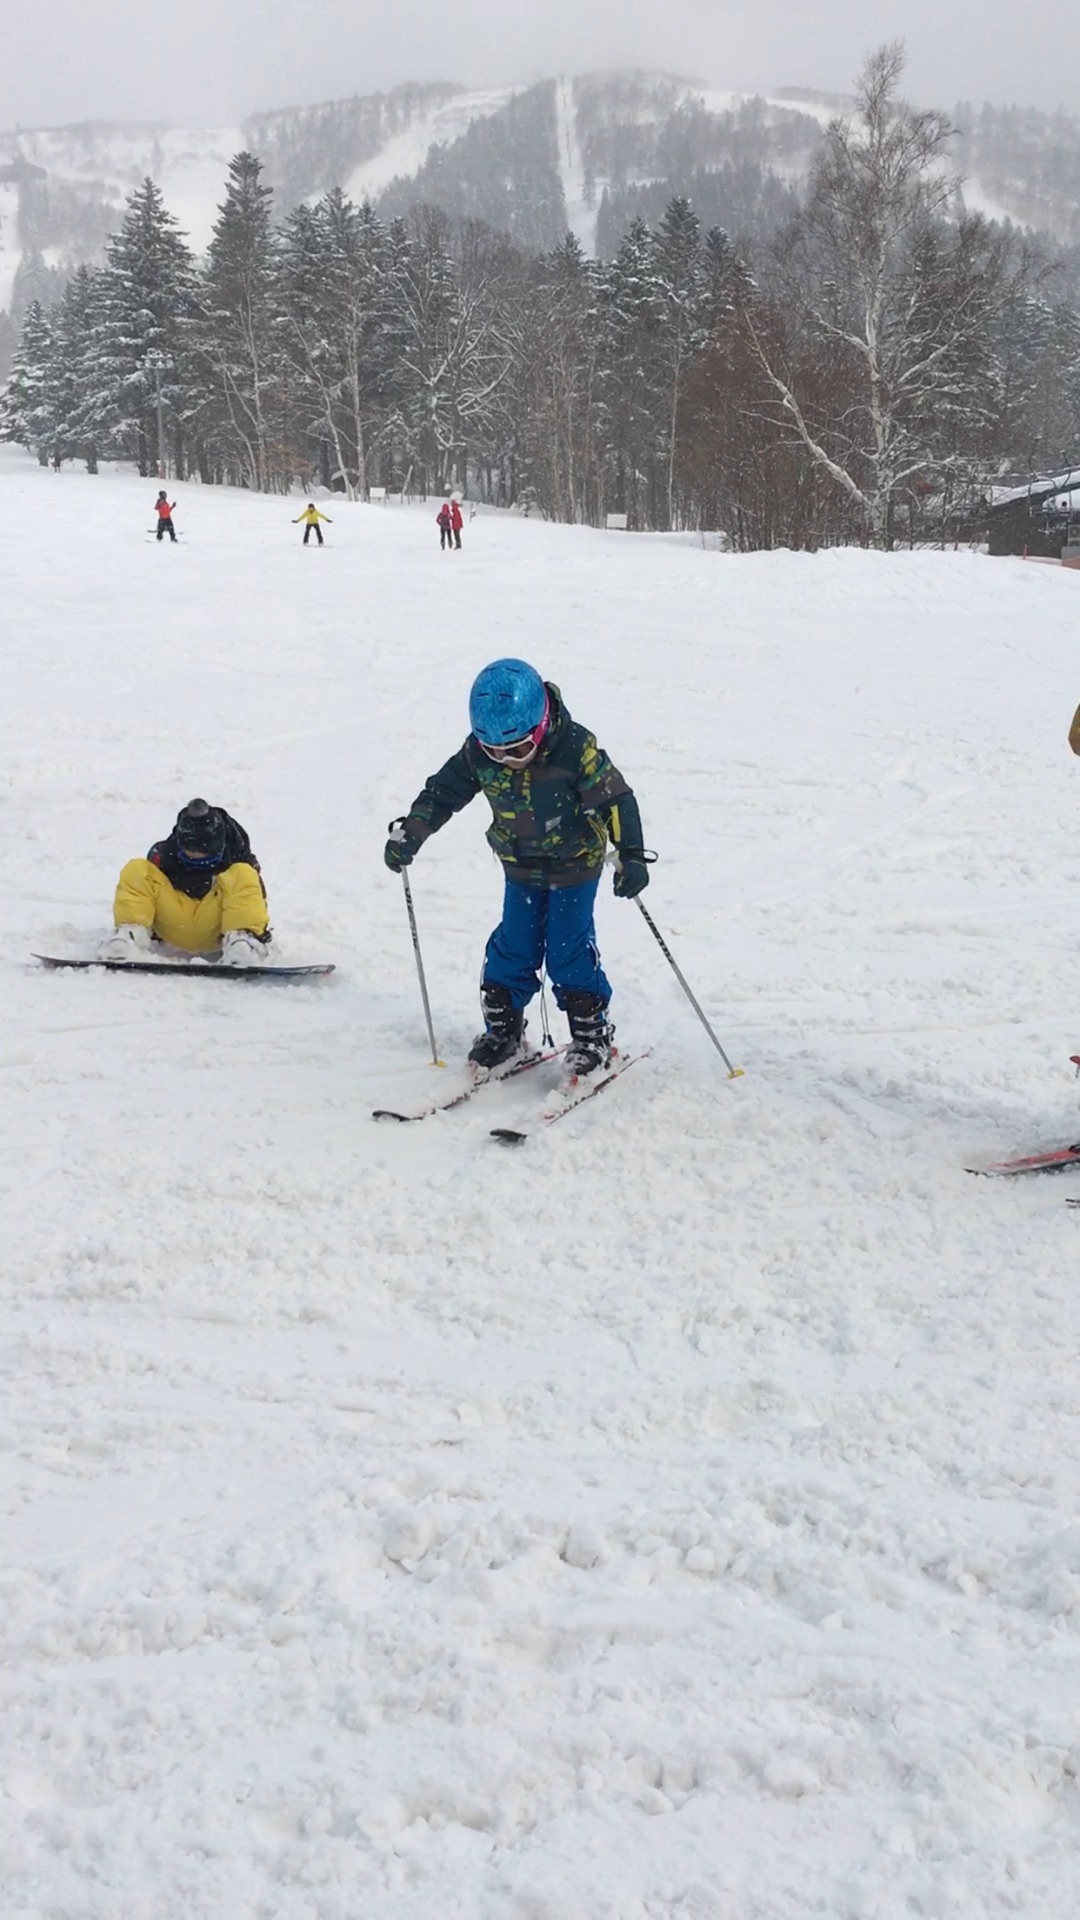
x: 199, y: 889
x: 556, y: 799
x: 311, y: 517
x: 165, y: 513
x: 444, y: 523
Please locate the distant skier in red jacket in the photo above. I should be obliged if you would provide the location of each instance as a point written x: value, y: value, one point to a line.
x: 443, y: 522
x: 165, y: 513
x: 456, y: 521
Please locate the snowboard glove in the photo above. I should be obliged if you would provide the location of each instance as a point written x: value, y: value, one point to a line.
x: 401, y: 849
x: 631, y: 875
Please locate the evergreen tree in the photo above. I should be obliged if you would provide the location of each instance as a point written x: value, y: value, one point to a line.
x: 240, y: 407
x: 680, y: 295
x: 75, y: 332
x: 561, y: 367
x: 727, y: 284
x: 300, y: 326
x: 426, y: 296
x: 34, y: 280
x: 144, y: 295
x: 629, y: 425
x: 28, y: 404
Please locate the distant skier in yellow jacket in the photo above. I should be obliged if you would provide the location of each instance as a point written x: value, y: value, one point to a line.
x: 199, y: 889
x: 311, y: 517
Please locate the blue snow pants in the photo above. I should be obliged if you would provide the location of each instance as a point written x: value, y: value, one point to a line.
x: 555, y: 924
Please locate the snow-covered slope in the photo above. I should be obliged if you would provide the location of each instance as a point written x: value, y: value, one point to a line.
x: 190, y: 165
x: 10, y: 245
x: 674, y: 1519
x: 404, y: 155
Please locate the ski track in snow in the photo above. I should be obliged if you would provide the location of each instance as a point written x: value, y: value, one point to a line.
x: 676, y: 1517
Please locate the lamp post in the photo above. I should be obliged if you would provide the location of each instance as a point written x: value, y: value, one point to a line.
x: 159, y: 363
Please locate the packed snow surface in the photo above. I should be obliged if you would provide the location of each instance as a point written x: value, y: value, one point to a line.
x: 676, y: 1517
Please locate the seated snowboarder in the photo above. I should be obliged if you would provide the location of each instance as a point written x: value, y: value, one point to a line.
x: 556, y: 801
x: 199, y: 889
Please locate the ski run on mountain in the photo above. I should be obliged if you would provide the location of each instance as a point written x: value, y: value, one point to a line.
x: 674, y: 1518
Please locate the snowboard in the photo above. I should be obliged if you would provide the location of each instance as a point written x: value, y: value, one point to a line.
x: 198, y: 970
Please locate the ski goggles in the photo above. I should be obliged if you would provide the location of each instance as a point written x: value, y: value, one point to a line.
x: 518, y: 753
x: 200, y: 850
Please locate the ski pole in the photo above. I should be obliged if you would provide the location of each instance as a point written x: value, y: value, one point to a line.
x: 734, y: 1073
x: 396, y: 829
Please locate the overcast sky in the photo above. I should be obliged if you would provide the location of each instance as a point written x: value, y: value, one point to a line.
x: 211, y: 62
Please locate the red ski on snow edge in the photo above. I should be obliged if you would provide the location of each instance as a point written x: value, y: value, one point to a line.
x: 1053, y: 1160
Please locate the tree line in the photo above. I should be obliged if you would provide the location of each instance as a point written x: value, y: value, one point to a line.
x: 865, y: 378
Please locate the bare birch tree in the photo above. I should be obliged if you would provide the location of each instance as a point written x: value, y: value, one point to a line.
x: 905, y: 316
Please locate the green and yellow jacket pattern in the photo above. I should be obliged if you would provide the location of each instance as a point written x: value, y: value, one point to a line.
x: 552, y: 820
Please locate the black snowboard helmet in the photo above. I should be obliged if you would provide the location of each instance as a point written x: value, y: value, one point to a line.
x: 200, y: 834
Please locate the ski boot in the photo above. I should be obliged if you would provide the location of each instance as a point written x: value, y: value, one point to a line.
x: 591, y: 1034
x: 503, y: 1038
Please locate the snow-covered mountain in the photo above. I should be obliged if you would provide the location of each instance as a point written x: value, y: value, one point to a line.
x: 558, y: 145
x: 584, y: 152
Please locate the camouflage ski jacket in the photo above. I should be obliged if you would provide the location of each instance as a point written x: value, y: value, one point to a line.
x: 551, y: 820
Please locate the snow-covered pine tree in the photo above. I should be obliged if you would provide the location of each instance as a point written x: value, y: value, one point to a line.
x: 300, y: 327
x: 488, y: 278
x: 1053, y: 407
x: 28, y: 403
x: 241, y: 402
x: 34, y: 280
x: 425, y: 296
x: 144, y: 295
x: 359, y: 297
x: 630, y: 409
x: 948, y: 426
x: 681, y: 301
x: 560, y: 360
x: 727, y: 282
x: 75, y: 327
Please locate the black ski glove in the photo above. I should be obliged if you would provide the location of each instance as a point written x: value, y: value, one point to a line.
x: 401, y: 849
x: 631, y: 876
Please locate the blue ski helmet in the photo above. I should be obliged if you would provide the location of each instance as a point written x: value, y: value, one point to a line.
x: 507, y: 701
